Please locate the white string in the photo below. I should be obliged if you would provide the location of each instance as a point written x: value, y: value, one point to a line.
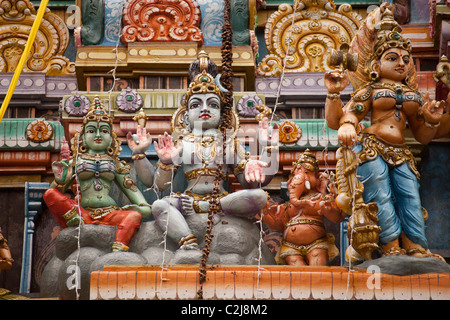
x: 164, y: 242
x: 289, y: 39
x: 355, y: 180
x: 116, y: 51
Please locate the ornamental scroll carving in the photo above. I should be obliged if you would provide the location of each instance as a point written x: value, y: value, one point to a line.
x: 52, y: 39
x: 161, y: 20
x: 317, y: 28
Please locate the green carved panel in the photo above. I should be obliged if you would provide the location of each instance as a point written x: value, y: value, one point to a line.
x: 92, y: 17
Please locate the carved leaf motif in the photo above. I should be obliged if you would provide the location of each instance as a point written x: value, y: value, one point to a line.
x: 306, y: 34
x: 163, y: 20
x: 52, y: 39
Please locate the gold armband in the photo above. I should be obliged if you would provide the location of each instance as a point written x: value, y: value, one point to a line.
x: 138, y: 156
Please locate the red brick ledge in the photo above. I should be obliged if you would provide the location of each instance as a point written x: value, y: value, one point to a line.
x: 274, y: 283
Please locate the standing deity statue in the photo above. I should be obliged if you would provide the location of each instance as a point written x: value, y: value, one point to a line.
x: 95, y: 165
x: 311, y: 197
x: 386, y: 86
x: 199, y: 146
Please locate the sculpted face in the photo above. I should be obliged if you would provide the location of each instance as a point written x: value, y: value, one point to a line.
x: 97, y: 136
x: 394, y: 64
x: 204, y: 110
x: 309, y: 177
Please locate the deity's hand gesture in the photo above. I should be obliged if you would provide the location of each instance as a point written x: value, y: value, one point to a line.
x: 335, y: 81
x: 62, y: 171
x: 267, y: 137
x: 254, y: 171
x: 139, y: 142
x: 432, y: 110
x: 166, y: 150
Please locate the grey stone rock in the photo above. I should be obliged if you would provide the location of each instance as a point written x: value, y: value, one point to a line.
x: 406, y: 265
x: 67, y: 277
x: 49, y: 282
x: 235, y: 241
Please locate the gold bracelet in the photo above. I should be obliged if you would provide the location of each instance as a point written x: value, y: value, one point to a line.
x: 349, y: 122
x: 432, y: 125
x: 166, y: 167
x: 333, y: 96
x: 241, y: 167
x: 138, y: 156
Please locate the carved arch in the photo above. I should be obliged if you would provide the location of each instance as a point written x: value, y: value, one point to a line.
x: 318, y: 27
x: 161, y: 20
x: 52, y: 39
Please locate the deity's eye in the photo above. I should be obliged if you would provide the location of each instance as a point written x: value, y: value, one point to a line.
x: 406, y: 60
x: 105, y: 131
x: 214, y: 105
x: 194, y: 105
x: 90, y: 130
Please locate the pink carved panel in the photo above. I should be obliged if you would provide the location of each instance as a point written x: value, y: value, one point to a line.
x: 161, y: 20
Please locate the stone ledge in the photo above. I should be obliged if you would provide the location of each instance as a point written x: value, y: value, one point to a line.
x: 274, y: 283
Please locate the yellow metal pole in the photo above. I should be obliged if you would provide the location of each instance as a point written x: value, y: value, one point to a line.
x: 23, y: 59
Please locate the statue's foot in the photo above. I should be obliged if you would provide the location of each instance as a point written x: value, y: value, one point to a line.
x: 189, y: 243
x: 422, y: 253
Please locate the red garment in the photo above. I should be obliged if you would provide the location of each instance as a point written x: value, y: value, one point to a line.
x: 128, y: 222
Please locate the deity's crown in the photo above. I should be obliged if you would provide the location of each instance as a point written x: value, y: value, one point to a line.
x: 97, y: 112
x: 204, y: 82
x: 388, y: 34
x: 306, y: 160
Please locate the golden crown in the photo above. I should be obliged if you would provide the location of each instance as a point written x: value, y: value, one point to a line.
x: 306, y: 160
x: 97, y: 112
x: 203, y: 82
x: 388, y: 35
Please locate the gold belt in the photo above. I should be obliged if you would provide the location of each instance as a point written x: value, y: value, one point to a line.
x: 393, y: 155
x: 202, y: 172
x: 305, y: 249
x: 304, y: 221
x: 97, y: 213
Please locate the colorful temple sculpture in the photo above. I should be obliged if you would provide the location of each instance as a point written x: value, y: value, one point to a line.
x: 226, y: 149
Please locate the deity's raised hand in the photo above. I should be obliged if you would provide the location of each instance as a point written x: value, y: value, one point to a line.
x: 140, y: 141
x: 62, y: 171
x: 166, y: 150
x: 254, y: 171
x: 335, y: 81
x: 267, y: 137
x: 432, y: 110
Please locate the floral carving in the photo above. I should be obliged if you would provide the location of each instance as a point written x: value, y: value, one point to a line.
x: 39, y: 131
x: 52, y: 39
x: 161, y: 20
x: 77, y: 105
x: 129, y: 101
x: 310, y: 29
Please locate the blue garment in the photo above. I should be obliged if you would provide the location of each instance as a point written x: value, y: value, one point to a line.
x: 396, y: 192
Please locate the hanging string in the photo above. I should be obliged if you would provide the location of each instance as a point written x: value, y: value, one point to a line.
x: 289, y: 40
x: 116, y: 63
x: 164, y: 242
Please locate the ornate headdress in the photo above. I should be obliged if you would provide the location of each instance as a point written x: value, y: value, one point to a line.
x: 378, y: 33
x: 97, y: 112
x: 306, y: 160
x: 204, y: 79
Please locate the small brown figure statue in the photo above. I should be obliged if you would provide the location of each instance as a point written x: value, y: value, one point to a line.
x: 305, y: 240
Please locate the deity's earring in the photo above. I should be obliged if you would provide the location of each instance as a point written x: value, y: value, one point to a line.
x: 374, y: 76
